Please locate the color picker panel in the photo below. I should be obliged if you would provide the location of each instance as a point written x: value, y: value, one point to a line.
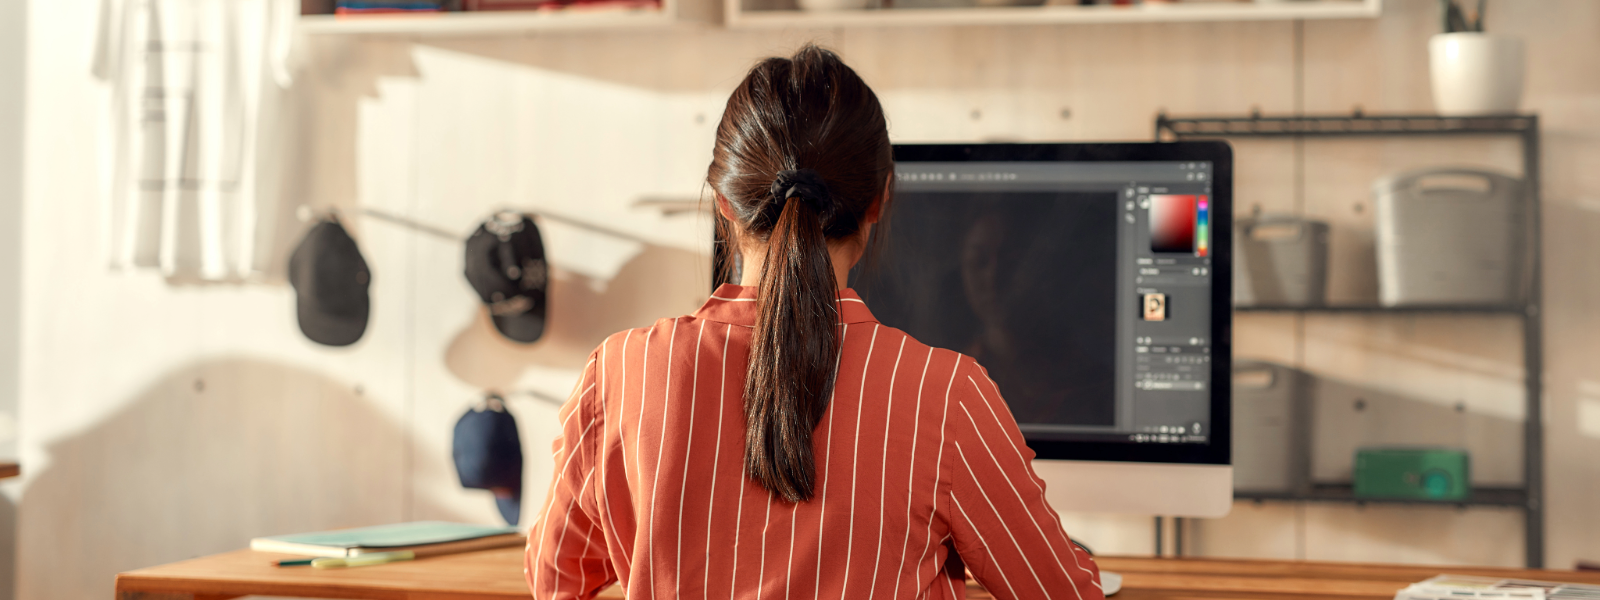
x: 1172, y: 222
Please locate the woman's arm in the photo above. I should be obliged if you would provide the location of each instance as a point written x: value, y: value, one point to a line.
x: 1009, y: 538
x: 567, y: 555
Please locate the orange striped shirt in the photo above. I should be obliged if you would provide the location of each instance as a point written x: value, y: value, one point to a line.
x: 922, y: 475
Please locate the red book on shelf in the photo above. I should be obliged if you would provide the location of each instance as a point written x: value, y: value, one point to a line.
x: 619, y: 4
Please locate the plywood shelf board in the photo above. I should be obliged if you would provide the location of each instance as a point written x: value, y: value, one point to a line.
x: 488, y: 23
x: 514, y: 22
x: 738, y: 16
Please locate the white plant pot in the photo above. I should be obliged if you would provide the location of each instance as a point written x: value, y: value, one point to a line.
x: 1476, y: 73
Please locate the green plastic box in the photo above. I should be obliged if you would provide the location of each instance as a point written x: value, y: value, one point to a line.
x: 1412, y: 474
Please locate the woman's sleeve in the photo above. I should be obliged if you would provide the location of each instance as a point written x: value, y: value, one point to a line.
x: 567, y: 555
x: 1009, y: 538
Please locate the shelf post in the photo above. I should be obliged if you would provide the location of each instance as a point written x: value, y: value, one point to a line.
x: 1533, y: 354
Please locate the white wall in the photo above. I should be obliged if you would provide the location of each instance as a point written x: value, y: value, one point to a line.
x: 162, y: 422
x: 13, y: 52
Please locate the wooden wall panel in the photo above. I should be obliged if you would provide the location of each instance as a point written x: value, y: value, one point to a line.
x: 584, y: 124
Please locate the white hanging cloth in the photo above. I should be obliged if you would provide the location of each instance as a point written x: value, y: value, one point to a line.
x: 194, y: 93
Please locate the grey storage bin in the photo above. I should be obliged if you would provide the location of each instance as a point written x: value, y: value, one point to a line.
x: 1284, y: 270
x: 1443, y: 244
x: 1271, y: 423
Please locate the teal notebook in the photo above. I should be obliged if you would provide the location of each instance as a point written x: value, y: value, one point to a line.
x: 440, y: 536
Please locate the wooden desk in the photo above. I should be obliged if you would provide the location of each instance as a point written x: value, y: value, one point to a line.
x: 497, y: 575
x: 1174, y: 578
x: 485, y: 575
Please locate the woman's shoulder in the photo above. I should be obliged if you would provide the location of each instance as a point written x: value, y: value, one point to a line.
x: 640, y: 333
x: 638, y: 339
x: 956, y: 363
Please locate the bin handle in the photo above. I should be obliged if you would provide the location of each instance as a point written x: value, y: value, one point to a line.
x: 1498, y: 182
x: 1301, y: 226
x: 1250, y: 366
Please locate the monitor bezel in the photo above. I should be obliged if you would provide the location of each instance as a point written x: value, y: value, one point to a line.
x: 1218, y: 451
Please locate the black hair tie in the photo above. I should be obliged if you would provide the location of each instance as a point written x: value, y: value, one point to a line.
x: 808, y: 186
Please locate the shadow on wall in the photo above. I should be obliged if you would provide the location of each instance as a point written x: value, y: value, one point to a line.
x: 315, y: 152
x: 1348, y: 416
x: 1572, y: 291
x: 8, y: 547
x: 264, y: 448
x: 664, y: 61
x: 658, y: 282
x: 1345, y: 416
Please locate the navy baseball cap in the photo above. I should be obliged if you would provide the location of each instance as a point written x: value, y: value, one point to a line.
x: 488, y: 454
x: 330, y: 280
x: 505, y: 263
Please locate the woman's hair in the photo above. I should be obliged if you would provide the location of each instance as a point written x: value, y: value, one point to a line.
x: 801, y: 154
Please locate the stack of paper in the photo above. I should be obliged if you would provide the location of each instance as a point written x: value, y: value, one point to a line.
x: 1459, y: 587
x: 424, y: 538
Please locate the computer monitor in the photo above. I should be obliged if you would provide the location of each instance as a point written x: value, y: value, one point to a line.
x: 1093, y: 282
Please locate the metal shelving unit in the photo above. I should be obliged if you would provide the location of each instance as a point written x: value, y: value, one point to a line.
x: 1481, y: 496
x: 1489, y: 309
x: 1530, y: 497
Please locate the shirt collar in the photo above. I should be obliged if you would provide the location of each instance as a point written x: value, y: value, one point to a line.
x: 736, y: 304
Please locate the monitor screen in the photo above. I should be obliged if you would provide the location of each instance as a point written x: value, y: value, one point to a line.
x: 1084, y: 277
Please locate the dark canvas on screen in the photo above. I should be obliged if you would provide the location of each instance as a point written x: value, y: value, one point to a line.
x: 1023, y: 282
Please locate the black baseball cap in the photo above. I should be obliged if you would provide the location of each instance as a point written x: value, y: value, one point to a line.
x: 488, y: 454
x: 505, y: 264
x: 330, y: 281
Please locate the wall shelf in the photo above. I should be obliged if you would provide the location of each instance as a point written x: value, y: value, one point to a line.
x: 738, y: 15
x: 782, y: 14
x: 473, y: 24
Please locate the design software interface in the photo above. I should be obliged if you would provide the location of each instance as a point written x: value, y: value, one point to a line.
x: 1084, y: 288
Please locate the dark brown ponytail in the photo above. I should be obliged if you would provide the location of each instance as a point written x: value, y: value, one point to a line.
x: 801, y: 155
